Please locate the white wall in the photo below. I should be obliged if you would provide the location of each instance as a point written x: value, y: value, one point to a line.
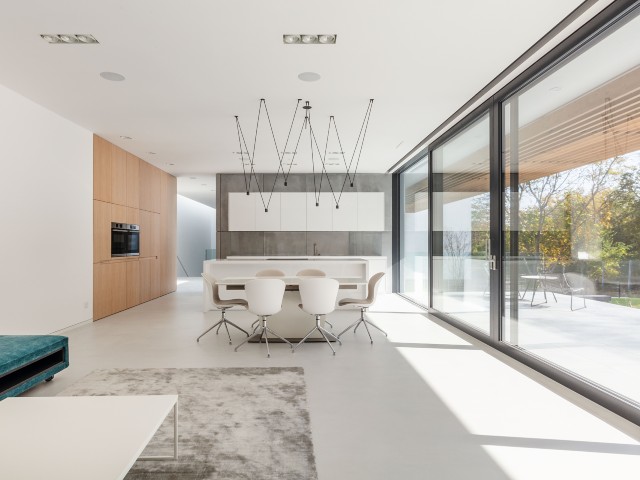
x: 46, y: 231
x: 196, y: 233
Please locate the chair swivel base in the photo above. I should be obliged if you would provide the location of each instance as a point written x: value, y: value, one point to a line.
x: 225, y: 322
x: 264, y: 331
x: 364, y: 322
x: 324, y: 334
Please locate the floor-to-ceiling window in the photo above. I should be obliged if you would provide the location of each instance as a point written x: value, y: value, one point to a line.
x: 460, y: 196
x: 414, y: 201
x: 565, y: 189
x: 571, y: 144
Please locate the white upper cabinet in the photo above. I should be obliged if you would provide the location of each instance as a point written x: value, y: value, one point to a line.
x: 267, y: 221
x: 242, y: 211
x: 297, y: 212
x: 370, y: 211
x: 345, y: 218
x: 293, y: 212
x: 320, y: 216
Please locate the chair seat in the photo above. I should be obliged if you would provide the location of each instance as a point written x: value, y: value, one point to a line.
x: 232, y: 302
x: 354, y: 301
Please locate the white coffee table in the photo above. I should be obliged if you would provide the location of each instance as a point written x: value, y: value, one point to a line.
x: 93, y: 437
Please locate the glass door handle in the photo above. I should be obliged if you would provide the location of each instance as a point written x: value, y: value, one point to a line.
x: 492, y: 262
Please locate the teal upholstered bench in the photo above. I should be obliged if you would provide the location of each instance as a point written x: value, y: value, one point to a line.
x: 26, y: 360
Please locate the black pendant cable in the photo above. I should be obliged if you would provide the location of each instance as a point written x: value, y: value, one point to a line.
x: 306, y: 124
x: 252, y: 173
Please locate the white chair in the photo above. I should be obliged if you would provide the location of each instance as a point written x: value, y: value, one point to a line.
x: 363, y: 304
x: 265, y: 298
x: 223, y: 306
x: 318, y: 297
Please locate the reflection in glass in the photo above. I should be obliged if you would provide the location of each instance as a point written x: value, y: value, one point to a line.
x: 461, y: 226
x: 414, y: 267
x: 571, y: 144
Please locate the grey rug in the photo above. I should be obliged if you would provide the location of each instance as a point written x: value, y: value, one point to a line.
x: 234, y: 423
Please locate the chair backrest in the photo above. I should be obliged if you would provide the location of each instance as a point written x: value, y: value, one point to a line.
x: 311, y: 272
x: 270, y: 272
x: 213, y: 287
x: 264, y: 295
x: 372, y: 288
x: 318, y: 295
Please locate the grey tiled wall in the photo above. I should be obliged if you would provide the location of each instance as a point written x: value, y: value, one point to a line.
x: 301, y: 243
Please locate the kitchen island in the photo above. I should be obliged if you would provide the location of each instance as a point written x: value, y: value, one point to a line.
x: 292, y: 322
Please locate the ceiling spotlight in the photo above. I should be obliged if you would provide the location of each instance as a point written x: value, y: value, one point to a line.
x: 309, y: 39
x: 291, y: 38
x: 327, y: 38
x: 124, y: 137
x: 86, y: 38
x: 69, y: 38
x: 112, y: 76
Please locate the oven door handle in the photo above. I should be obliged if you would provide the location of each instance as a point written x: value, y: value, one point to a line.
x: 119, y: 231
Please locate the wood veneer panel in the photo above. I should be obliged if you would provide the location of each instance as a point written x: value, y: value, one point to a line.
x: 118, y: 175
x: 133, y: 181
x: 101, y: 292
x: 133, y: 283
x: 101, y: 231
x: 149, y: 281
x: 118, y: 214
x: 149, y: 187
x: 117, y: 274
x: 101, y: 169
x: 133, y: 215
x: 146, y: 233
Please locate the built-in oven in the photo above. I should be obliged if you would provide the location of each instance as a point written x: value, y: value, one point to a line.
x: 125, y: 240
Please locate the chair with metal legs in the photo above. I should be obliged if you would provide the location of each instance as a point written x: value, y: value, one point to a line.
x: 318, y: 297
x: 265, y: 299
x: 223, y: 306
x: 364, y: 304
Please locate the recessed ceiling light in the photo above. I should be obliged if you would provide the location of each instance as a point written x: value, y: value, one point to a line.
x: 327, y: 38
x: 291, y: 38
x: 112, y: 76
x: 124, y: 137
x: 555, y: 89
x: 309, y: 77
x: 171, y: 164
x: 151, y: 153
x: 69, y: 38
x: 309, y: 38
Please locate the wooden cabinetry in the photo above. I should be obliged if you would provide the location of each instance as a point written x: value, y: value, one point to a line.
x: 101, y: 231
x: 149, y: 187
x: 149, y: 234
x: 129, y: 190
x: 118, y: 176
x: 109, y: 288
x: 149, y: 278
x: 133, y: 181
x: 133, y: 283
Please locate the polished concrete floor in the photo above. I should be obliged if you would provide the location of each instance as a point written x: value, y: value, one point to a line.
x: 427, y: 402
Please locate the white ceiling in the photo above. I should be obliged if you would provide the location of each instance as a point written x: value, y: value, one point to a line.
x: 191, y: 66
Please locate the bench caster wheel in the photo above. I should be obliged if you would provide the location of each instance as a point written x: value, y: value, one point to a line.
x: 48, y: 379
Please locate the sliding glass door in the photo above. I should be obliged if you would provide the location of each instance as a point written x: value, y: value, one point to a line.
x: 462, y: 260
x: 414, y: 246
